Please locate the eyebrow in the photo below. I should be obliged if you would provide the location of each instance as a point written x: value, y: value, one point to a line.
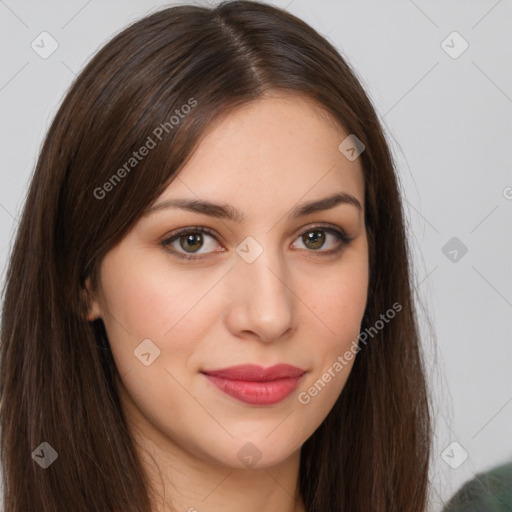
x: 223, y: 211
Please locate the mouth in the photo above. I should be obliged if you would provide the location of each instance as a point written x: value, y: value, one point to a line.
x: 256, y: 385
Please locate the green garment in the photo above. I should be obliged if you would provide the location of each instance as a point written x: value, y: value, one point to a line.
x: 487, y: 492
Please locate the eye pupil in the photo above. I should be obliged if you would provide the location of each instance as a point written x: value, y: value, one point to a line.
x: 190, y: 238
x: 312, y: 236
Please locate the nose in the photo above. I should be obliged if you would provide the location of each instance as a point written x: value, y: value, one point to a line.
x: 263, y: 301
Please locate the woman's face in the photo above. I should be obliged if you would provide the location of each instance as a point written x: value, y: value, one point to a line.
x: 273, y: 287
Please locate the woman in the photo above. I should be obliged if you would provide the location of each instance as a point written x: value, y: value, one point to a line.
x: 208, y: 304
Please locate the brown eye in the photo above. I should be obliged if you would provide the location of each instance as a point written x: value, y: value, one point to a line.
x: 315, y: 239
x: 190, y: 241
x: 193, y: 241
x: 187, y: 242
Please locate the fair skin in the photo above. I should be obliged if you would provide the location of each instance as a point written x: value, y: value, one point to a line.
x: 293, y: 304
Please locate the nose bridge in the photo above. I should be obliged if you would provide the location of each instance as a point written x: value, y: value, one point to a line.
x: 261, y: 276
x: 262, y: 266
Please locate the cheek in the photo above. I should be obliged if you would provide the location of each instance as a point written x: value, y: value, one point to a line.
x: 339, y: 300
x: 154, y: 302
x: 172, y: 309
x: 339, y: 308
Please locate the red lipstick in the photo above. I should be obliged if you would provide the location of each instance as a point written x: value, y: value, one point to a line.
x: 256, y: 385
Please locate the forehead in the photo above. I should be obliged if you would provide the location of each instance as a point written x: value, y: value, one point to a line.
x: 277, y: 148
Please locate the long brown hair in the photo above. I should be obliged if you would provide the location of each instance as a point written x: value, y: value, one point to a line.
x: 57, y: 374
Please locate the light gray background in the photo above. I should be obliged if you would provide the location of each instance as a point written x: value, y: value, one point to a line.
x: 449, y: 122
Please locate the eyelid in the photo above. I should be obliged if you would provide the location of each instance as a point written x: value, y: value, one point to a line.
x: 337, y: 231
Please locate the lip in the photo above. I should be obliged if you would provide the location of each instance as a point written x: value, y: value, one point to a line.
x: 256, y: 385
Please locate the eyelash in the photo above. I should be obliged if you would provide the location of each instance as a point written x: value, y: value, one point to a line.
x: 342, y: 237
